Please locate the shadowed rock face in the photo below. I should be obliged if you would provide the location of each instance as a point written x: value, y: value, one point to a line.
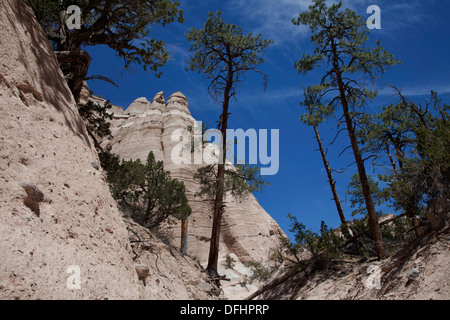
x: 58, y: 221
x: 55, y: 207
x: 247, y: 230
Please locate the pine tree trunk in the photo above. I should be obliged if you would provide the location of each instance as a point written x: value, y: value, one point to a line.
x: 184, y: 236
x: 217, y: 221
x: 330, y: 179
x: 218, y: 201
x: 394, y: 167
x: 372, y: 215
x: 75, y: 66
x: 329, y: 173
x: 373, y: 219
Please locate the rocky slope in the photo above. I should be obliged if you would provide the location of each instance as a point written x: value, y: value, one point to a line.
x: 419, y: 271
x: 61, y: 234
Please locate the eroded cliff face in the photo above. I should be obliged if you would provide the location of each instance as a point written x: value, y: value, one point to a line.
x: 248, y: 232
x: 61, y: 234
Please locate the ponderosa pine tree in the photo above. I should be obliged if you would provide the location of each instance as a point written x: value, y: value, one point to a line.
x: 418, y: 135
x: 391, y: 133
x: 339, y: 37
x: 148, y: 192
x: 223, y: 53
x: 122, y: 25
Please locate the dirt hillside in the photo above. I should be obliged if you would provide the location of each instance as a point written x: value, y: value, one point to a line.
x: 419, y: 271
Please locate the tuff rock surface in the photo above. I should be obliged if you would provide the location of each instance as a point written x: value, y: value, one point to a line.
x: 248, y: 232
x: 61, y: 234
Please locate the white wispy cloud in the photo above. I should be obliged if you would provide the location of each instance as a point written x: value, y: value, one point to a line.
x: 398, y: 18
x: 412, y: 91
x: 273, y: 18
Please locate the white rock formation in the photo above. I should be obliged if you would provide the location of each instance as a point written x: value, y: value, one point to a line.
x: 247, y: 231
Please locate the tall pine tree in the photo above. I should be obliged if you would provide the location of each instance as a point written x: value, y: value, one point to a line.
x: 339, y: 37
x: 223, y: 53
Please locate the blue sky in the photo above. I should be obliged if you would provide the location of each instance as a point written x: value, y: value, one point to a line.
x: 416, y: 32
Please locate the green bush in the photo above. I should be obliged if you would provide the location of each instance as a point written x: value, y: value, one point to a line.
x: 395, y: 235
x: 229, y: 261
x: 147, y: 192
x: 323, y: 248
x: 259, y: 271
